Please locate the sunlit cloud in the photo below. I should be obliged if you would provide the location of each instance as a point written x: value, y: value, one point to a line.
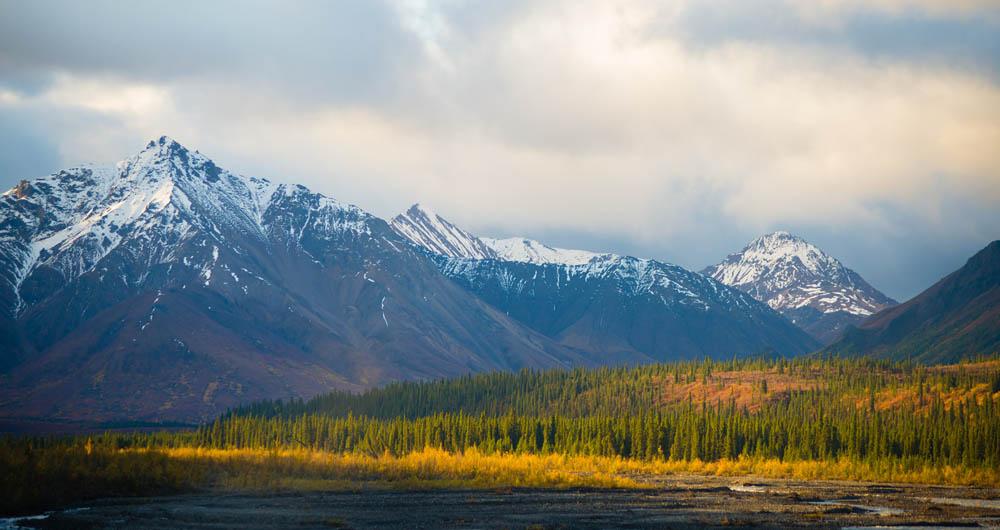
x: 108, y: 96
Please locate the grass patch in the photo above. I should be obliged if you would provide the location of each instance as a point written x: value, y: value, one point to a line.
x: 301, y: 469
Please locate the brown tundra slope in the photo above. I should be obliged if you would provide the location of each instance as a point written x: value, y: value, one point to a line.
x: 956, y: 317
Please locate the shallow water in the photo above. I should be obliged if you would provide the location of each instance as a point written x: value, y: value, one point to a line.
x: 877, y: 510
x: 672, y: 501
x: 13, y: 523
x: 749, y: 488
x: 896, y: 527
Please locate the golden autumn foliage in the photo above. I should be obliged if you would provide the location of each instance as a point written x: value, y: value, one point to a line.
x: 429, y: 468
x: 40, y: 478
x: 435, y: 468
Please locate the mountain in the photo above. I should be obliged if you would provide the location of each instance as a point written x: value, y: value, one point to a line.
x: 956, y: 317
x: 613, y: 308
x: 427, y: 229
x: 808, y: 286
x: 167, y: 288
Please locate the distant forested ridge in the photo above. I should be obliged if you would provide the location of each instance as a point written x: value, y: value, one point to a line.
x: 802, y: 409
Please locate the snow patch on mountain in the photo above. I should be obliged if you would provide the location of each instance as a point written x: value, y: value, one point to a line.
x: 475, y: 260
x: 531, y: 251
x: 633, y: 277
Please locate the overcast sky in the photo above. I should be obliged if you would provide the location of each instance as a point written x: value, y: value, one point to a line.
x: 678, y: 130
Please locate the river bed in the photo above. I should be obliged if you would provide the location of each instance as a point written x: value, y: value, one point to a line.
x: 672, y: 502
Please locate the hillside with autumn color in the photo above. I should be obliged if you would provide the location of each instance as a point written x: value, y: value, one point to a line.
x: 747, y: 385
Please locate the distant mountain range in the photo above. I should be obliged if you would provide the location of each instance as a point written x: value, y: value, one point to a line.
x: 807, y: 285
x: 955, y: 317
x: 167, y: 288
x: 613, y: 308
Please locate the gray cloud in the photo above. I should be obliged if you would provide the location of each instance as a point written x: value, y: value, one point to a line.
x: 963, y: 39
x: 329, y: 51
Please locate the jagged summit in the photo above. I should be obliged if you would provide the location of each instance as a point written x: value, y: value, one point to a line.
x: 781, y: 258
x: 420, y: 208
x: 165, y: 142
x: 165, y: 149
x: 425, y: 228
x: 800, y: 280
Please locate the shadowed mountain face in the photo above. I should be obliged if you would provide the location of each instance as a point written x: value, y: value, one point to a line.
x: 956, y: 317
x: 623, y: 308
x: 169, y: 288
x: 811, y: 288
x: 612, y: 308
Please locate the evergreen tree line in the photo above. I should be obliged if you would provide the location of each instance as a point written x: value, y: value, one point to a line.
x: 805, y: 427
x: 620, y: 411
x: 850, y: 409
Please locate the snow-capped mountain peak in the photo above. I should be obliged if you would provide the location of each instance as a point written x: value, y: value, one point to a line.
x: 425, y: 228
x: 158, y: 199
x: 771, y: 254
x: 802, y: 281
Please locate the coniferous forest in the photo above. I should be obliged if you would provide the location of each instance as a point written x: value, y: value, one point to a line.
x: 788, y: 410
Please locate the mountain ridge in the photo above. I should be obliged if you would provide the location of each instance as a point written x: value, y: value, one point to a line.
x: 958, y: 316
x: 167, y: 288
x: 632, y: 308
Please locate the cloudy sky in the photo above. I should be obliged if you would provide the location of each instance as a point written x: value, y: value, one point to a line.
x: 675, y: 130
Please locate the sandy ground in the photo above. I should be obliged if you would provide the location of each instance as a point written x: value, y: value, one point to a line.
x: 676, y: 502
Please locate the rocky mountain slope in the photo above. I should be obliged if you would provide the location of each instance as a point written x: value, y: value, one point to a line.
x: 427, y: 229
x: 810, y: 287
x: 956, y: 317
x: 614, y: 308
x: 167, y: 288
